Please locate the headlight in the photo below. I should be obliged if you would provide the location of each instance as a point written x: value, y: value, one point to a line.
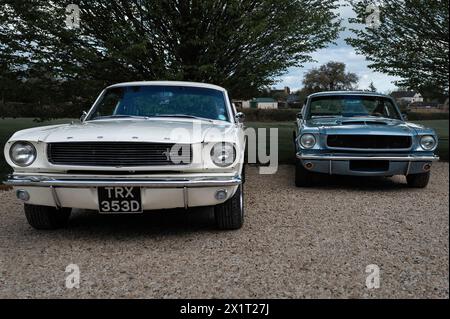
x: 22, y: 153
x: 307, y: 140
x: 223, y: 154
x: 427, y: 142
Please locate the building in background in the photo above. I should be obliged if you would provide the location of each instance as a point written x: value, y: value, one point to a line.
x: 407, y: 97
x: 264, y: 103
x: 424, y: 105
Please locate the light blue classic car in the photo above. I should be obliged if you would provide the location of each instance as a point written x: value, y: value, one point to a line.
x: 361, y: 134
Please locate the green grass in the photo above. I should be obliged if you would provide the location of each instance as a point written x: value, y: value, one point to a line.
x: 285, y: 129
x: 285, y: 138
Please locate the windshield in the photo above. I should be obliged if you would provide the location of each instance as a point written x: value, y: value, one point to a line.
x: 161, y: 101
x: 352, y: 106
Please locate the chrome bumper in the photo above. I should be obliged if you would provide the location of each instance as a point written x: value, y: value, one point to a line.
x: 173, y: 182
x: 330, y: 157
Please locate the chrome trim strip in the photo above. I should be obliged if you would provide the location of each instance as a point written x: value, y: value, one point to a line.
x: 408, y: 169
x: 15, y: 180
x: 55, y: 198
x: 410, y: 158
x: 185, y: 197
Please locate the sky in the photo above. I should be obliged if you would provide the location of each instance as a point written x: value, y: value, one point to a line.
x: 340, y: 52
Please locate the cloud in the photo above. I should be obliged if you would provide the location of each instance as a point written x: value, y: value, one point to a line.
x: 340, y: 52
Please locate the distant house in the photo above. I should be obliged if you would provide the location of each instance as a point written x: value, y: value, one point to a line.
x: 424, y: 105
x: 293, y: 101
x: 245, y: 104
x: 285, y: 91
x: 445, y: 105
x: 263, y: 103
x: 407, y: 97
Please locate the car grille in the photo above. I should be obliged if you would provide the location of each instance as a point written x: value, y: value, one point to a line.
x: 118, y: 154
x: 369, y: 142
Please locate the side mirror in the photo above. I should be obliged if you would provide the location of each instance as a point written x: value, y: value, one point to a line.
x: 83, y: 116
x: 299, y: 115
x: 405, y: 116
x: 240, y: 117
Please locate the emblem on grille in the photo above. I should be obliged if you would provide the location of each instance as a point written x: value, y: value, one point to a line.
x: 167, y: 154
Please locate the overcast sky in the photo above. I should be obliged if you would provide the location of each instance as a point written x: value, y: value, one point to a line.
x: 340, y: 52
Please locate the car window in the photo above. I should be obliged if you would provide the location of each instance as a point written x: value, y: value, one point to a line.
x: 153, y: 101
x: 352, y: 106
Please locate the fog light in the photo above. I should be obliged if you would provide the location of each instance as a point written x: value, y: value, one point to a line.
x: 427, y: 167
x: 309, y: 165
x: 23, y: 195
x: 221, y: 194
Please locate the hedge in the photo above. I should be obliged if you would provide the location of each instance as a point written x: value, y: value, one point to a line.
x: 424, y: 116
x: 282, y: 115
x: 270, y: 115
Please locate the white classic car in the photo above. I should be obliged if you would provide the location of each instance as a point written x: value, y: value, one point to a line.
x: 142, y: 146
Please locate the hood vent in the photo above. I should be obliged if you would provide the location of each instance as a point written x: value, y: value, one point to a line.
x: 363, y: 123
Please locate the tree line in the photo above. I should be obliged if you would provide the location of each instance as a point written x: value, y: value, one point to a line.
x: 242, y: 45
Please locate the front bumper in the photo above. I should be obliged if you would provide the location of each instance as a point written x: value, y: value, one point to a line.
x: 339, y: 164
x: 156, y: 193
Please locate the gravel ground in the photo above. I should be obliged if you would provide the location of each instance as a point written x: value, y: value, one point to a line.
x: 296, y: 243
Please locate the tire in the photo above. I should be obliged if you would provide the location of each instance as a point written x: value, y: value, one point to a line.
x: 243, y: 175
x: 230, y: 215
x: 45, y: 217
x: 418, y: 180
x: 303, y: 177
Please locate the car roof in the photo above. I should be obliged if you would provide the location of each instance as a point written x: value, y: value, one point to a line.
x: 168, y: 83
x: 334, y: 93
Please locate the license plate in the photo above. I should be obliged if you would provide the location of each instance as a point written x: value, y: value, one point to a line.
x: 119, y: 200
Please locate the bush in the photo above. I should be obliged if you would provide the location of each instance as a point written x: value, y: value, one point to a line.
x: 282, y: 115
x: 270, y: 115
x: 425, y: 116
x: 40, y: 111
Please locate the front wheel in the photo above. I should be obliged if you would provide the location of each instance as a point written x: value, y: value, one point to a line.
x: 418, y: 180
x: 230, y: 215
x: 45, y: 217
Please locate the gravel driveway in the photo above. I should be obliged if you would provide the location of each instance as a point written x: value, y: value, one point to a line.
x: 296, y: 243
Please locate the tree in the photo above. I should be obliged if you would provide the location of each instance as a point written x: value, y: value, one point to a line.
x: 411, y: 41
x: 329, y: 77
x: 239, y: 44
x: 372, y: 87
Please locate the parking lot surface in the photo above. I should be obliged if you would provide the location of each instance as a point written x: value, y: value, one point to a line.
x: 296, y: 243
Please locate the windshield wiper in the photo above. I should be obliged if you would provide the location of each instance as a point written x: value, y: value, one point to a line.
x: 184, y: 116
x: 120, y: 116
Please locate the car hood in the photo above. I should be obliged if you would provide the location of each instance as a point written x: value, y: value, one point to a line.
x: 151, y: 130
x: 362, y: 125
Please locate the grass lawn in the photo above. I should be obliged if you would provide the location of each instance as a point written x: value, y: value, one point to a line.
x: 285, y: 148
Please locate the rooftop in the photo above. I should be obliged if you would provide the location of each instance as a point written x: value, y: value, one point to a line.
x: 400, y: 94
x: 332, y: 93
x: 264, y: 100
x: 169, y: 83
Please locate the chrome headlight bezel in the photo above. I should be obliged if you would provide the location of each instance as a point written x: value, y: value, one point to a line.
x: 27, y: 149
x: 425, y: 141
x: 223, y: 154
x: 308, y: 137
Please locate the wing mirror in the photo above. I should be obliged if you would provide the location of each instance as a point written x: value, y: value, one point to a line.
x: 83, y: 116
x: 240, y: 117
x: 299, y: 115
x: 405, y: 116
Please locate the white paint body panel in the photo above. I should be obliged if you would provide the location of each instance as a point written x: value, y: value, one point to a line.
x: 201, y: 134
